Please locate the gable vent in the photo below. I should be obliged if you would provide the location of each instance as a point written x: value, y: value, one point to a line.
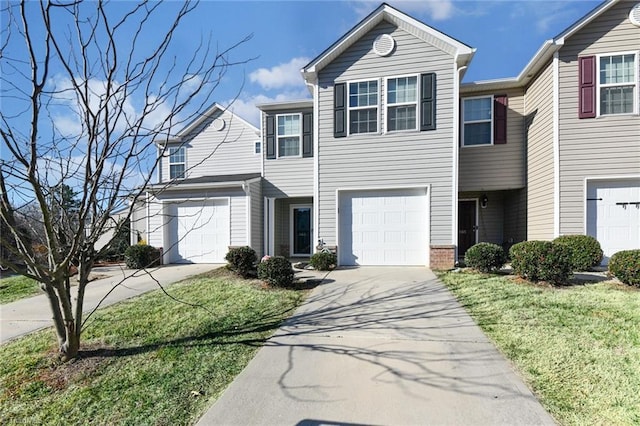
x: 634, y: 15
x: 383, y: 45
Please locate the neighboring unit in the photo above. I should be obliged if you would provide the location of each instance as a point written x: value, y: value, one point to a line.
x: 394, y: 161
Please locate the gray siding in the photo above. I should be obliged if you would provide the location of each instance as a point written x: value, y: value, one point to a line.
x: 539, y: 119
x: 399, y: 159
x: 496, y: 167
x: 515, y: 216
x: 287, y: 177
x: 257, y: 217
x: 211, y: 152
x: 603, y: 146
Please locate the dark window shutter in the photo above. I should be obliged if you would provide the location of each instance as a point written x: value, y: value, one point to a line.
x: 339, y: 110
x: 587, y: 84
x: 271, y: 137
x: 307, y: 135
x: 500, y: 103
x: 428, y: 101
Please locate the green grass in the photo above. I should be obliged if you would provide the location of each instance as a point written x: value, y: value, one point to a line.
x: 148, y: 360
x: 577, y: 347
x: 16, y: 288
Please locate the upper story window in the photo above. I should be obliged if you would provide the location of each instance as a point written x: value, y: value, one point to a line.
x: 289, y: 130
x: 257, y: 147
x: 402, y: 103
x: 363, y: 107
x: 617, y: 83
x: 177, y: 163
x: 477, y: 116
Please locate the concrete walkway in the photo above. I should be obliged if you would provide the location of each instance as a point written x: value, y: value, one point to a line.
x: 31, y: 314
x: 378, y: 346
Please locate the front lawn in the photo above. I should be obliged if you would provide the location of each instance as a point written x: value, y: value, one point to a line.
x: 577, y: 347
x: 149, y: 360
x: 17, y: 287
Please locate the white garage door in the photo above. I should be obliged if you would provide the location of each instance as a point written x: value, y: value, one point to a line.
x: 613, y: 214
x: 387, y: 227
x: 199, y: 231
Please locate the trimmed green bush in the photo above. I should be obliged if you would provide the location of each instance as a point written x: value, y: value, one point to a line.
x: 541, y: 261
x: 625, y: 266
x: 585, y: 251
x: 485, y: 257
x: 276, y: 271
x: 242, y: 261
x: 141, y: 256
x: 323, y: 261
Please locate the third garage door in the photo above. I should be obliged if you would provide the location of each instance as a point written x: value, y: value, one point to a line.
x: 384, y: 227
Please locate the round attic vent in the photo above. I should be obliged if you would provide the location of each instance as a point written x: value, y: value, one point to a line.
x: 218, y: 124
x: 634, y: 15
x: 383, y: 44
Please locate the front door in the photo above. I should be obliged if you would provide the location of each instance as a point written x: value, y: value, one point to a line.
x: 301, y: 230
x: 466, y: 226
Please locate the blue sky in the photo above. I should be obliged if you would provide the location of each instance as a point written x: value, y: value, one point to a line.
x: 287, y: 34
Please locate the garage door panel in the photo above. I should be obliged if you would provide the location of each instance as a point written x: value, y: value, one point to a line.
x: 387, y: 227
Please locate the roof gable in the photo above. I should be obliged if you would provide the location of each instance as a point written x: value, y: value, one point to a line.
x: 384, y: 12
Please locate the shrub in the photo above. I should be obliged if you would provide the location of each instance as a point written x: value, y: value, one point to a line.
x: 625, y: 266
x: 276, y: 271
x: 242, y: 261
x: 585, y: 251
x: 485, y: 257
x: 323, y: 261
x: 541, y: 261
x: 141, y: 256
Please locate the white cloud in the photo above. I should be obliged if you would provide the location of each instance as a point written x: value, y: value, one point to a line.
x: 437, y: 10
x: 246, y: 107
x: 282, y: 75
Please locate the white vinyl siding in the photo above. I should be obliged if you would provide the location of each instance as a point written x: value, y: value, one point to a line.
x: 617, y: 84
x: 477, y: 116
x: 607, y: 145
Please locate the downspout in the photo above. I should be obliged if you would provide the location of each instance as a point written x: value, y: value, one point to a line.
x: 456, y: 154
x: 315, y: 234
x: 247, y: 190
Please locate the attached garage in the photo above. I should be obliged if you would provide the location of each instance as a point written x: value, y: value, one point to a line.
x: 384, y: 227
x: 613, y: 214
x: 198, y: 231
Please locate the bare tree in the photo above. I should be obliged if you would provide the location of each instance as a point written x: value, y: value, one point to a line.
x: 90, y: 90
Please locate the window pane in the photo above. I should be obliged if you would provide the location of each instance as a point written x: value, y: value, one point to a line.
x: 258, y: 147
x: 477, y: 109
x: 176, y: 155
x: 402, y: 90
x: 616, y: 100
x: 288, y: 125
x: 477, y: 134
x: 402, y: 118
x: 364, y: 121
x: 617, y: 69
x: 176, y: 171
x: 364, y: 93
x: 289, y: 146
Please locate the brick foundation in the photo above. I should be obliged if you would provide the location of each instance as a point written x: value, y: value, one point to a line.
x: 442, y: 257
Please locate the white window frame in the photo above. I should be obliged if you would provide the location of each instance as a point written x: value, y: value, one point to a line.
x: 387, y: 104
x: 635, y: 83
x: 184, y: 163
x: 462, y: 144
x: 278, y: 136
x: 378, y: 106
x: 257, y: 148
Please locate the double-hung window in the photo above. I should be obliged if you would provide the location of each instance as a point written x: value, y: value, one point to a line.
x: 363, y: 107
x: 477, y: 116
x: 289, y: 130
x: 402, y: 103
x: 257, y: 147
x: 177, y: 162
x: 618, y: 83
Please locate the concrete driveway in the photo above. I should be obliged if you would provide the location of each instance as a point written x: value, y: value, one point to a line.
x: 31, y: 314
x: 378, y: 346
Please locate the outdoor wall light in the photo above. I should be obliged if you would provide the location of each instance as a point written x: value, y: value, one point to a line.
x: 483, y: 201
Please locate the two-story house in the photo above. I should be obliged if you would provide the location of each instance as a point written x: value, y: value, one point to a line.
x: 394, y: 161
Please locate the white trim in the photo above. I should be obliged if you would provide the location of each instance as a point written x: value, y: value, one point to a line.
x: 316, y: 165
x: 247, y: 192
x: 265, y: 227
x: 635, y: 83
x: 278, y: 136
x: 255, y: 145
x: 416, y: 103
x: 208, y: 113
x: 609, y: 178
x: 378, y: 106
x: 492, y: 100
x: 427, y: 188
x: 556, y: 144
x: 455, y: 159
x: 272, y: 226
x: 477, y: 203
x: 292, y: 207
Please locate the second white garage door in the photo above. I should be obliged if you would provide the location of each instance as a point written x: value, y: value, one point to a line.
x: 199, y: 231
x: 385, y: 227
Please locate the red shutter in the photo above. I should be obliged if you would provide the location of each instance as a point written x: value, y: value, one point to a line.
x: 587, y: 84
x: 500, y: 103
